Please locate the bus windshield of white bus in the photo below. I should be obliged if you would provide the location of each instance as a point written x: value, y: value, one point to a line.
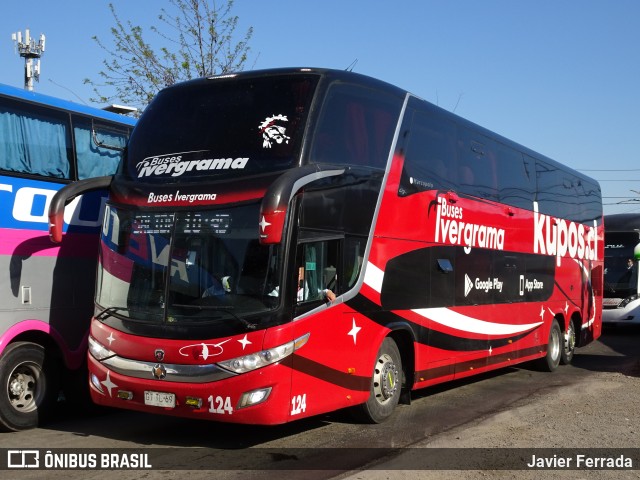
x: 621, y: 270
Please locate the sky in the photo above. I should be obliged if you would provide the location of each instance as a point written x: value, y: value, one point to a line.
x: 561, y: 77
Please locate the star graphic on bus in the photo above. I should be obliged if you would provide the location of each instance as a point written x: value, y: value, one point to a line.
x: 263, y: 223
x: 354, y: 330
x: 244, y: 341
x: 109, y: 384
x: 111, y: 338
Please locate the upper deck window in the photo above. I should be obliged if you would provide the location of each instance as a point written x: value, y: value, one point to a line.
x: 356, y: 127
x: 221, y: 126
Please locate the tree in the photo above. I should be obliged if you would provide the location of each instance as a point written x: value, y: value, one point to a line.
x: 200, y: 41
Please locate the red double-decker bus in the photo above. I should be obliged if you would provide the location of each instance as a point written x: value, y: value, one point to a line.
x: 278, y: 244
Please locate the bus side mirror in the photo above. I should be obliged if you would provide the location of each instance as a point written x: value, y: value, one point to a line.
x: 272, y: 224
x: 64, y: 196
x: 56, y: 221
x: 276, y: 201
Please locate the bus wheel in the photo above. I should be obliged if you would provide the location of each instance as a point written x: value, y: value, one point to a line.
x: 386, y: 385
x: 29, y: 388
x: 569, y: 345
x: 551, y: 360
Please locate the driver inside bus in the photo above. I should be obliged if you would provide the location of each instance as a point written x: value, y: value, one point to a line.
x: 303, y: 291
x: 218, y: 287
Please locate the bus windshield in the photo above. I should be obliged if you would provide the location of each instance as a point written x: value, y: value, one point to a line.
x: 186, y: 266
x: 620, y: 275
x: 221, y: 127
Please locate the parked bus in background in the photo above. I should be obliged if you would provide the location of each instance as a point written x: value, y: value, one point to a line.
x: 621, y: 303
x: 245, y: 202
x: 47, y: 293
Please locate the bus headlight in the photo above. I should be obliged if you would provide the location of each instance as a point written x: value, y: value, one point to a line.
x: 253, y: 361
x: 99, y: 351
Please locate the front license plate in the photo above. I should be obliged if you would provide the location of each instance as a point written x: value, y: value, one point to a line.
x: 160, y: 399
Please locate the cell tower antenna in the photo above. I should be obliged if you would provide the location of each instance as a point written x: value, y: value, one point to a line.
x: 31, y: 51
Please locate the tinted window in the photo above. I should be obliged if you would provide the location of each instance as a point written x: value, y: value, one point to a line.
x: 356, y: 127
x: 221, y: 126
x: 564, y: 195
x: 590, y: 201
x: 478, y: 172
x: 430, y: 154
x: 516, y: 177
x: 443, y: 155
x: 556, y: 194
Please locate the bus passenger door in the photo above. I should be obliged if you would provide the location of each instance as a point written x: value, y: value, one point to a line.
x: 331, y: 370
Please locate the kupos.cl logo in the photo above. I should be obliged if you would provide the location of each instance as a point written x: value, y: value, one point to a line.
x: 559, y: 237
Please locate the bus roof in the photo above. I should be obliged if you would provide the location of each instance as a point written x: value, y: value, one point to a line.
x: 324, y: 72
x: 33, y: 97
x: 366, y: 81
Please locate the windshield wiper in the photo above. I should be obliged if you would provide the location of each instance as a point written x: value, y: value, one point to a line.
x: 226, y: 308
x: 108, y: 312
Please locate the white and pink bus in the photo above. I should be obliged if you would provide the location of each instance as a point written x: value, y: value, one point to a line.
x: 46, y: 291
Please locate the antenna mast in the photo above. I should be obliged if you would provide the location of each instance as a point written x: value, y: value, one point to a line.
x: 30, y: 51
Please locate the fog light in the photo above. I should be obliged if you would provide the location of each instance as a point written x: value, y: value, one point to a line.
x: 254, y: 397
x: 193, y: 402
x: 124, y: 395
x: 96, y: 383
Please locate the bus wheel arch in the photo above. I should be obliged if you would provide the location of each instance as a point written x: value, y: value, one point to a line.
x: 386, y: 384
x: 29, y: 381
x: 405, y: 342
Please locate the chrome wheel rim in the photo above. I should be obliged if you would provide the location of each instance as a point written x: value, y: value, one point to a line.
x: 386, y: 379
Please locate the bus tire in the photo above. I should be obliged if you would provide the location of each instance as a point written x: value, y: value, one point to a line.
x: 569, y: 344
x: 386, y: 385
x: 29, y: 386
x: 551, y: 360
